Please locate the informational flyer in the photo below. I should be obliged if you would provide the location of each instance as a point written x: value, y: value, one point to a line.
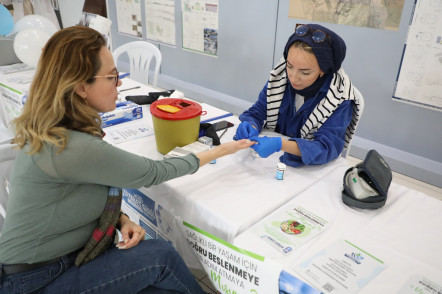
x: 289, y: 228
x: 127, y: 132
x: 200, y: 25
x: 129, y: 17
x: 418, y: 284
x: 160, y: 20
x: 343, y: 267
x: 419, y: 79
x: 233, y: 270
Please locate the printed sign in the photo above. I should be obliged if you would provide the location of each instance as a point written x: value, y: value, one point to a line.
x: 233, y: 270
x: 342, y: 267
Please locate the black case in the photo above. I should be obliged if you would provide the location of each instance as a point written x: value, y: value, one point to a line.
x: 377, y: 173
x: 149, y: 98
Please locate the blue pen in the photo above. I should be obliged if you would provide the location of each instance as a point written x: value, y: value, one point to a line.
x: 123, y: 75
x: 122, y: 90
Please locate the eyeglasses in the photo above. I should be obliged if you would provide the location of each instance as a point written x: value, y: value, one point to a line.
x: 318, y: 36
x: 110, y: 77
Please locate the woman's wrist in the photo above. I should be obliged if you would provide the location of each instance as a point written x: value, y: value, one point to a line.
x: 122, y: 219
x: 209, y: 155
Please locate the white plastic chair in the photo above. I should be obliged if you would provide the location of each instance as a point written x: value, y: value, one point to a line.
x: 140, y: 56
x: 358, y: 94
x: 7, y: 157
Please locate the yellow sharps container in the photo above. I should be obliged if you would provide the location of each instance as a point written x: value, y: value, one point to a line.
x: 176, y: 122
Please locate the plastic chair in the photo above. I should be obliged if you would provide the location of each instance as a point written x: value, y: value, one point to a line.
x: 7, y: 157
x: 140, y: 56
x: 358, y: 94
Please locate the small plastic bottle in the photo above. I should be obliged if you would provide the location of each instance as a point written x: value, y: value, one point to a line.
x: 280, y: 168
x: 207, y: 141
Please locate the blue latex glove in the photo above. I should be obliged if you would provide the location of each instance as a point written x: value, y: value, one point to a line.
x: 266, y: 146
x: 245, y: 130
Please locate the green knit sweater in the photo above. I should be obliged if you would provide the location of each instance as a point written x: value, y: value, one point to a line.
x: 56, y: 198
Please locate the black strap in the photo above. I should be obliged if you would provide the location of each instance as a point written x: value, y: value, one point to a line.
x: 353, y: 202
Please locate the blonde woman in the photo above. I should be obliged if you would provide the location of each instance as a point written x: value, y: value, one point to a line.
x: 65, y: 189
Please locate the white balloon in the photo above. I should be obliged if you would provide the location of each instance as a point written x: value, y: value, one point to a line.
x: 28, y: 45
x: 34, y: 21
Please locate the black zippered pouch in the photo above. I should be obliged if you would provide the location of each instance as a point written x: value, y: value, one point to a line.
x: 149, y: 98
x: 376, y: 172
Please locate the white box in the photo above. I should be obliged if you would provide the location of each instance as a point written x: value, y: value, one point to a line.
x: 125, y: 111
x: 15, y: 81
x: 149, y: 214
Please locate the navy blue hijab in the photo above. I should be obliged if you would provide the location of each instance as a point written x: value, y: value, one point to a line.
x: 330, y: 54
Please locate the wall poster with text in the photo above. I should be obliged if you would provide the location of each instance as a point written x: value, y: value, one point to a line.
x: 200, y: 25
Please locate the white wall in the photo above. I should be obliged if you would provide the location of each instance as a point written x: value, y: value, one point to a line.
x: 70, y: 11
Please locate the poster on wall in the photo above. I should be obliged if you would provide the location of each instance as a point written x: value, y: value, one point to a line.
x: 234, y: 270
x: 200, y: 25
x: 160, y: 20
x: 419, y: 81
x: 376, y: 14
x: 129, y: 17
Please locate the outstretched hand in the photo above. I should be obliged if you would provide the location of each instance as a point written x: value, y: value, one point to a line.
x: 234, y: 146
x: 222, y: 150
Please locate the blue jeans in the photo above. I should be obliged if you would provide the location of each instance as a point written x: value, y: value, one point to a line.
x: 153, y: 266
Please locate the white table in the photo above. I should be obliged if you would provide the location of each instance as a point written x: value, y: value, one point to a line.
x: 405, y: 233
x: 228, y: 197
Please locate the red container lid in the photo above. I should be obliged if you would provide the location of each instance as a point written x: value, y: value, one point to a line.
x: 185, y: 109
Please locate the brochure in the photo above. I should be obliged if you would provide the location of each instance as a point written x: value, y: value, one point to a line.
x: 127, y: 132
x: 421, y: 285
x: 288, y: 228
x: 342, y: 267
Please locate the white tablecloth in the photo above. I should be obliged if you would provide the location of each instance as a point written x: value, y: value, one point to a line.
x: 405, y: 234
x: 227, y: 198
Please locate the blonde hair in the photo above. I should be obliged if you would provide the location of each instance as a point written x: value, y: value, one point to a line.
x: 70, y: 57
x: 303, y: 46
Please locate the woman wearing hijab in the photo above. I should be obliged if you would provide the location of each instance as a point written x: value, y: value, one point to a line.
x: 308, y: 98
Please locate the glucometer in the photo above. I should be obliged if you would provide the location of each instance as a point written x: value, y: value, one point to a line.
x: 365, y: 186
x: 361, y: 189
